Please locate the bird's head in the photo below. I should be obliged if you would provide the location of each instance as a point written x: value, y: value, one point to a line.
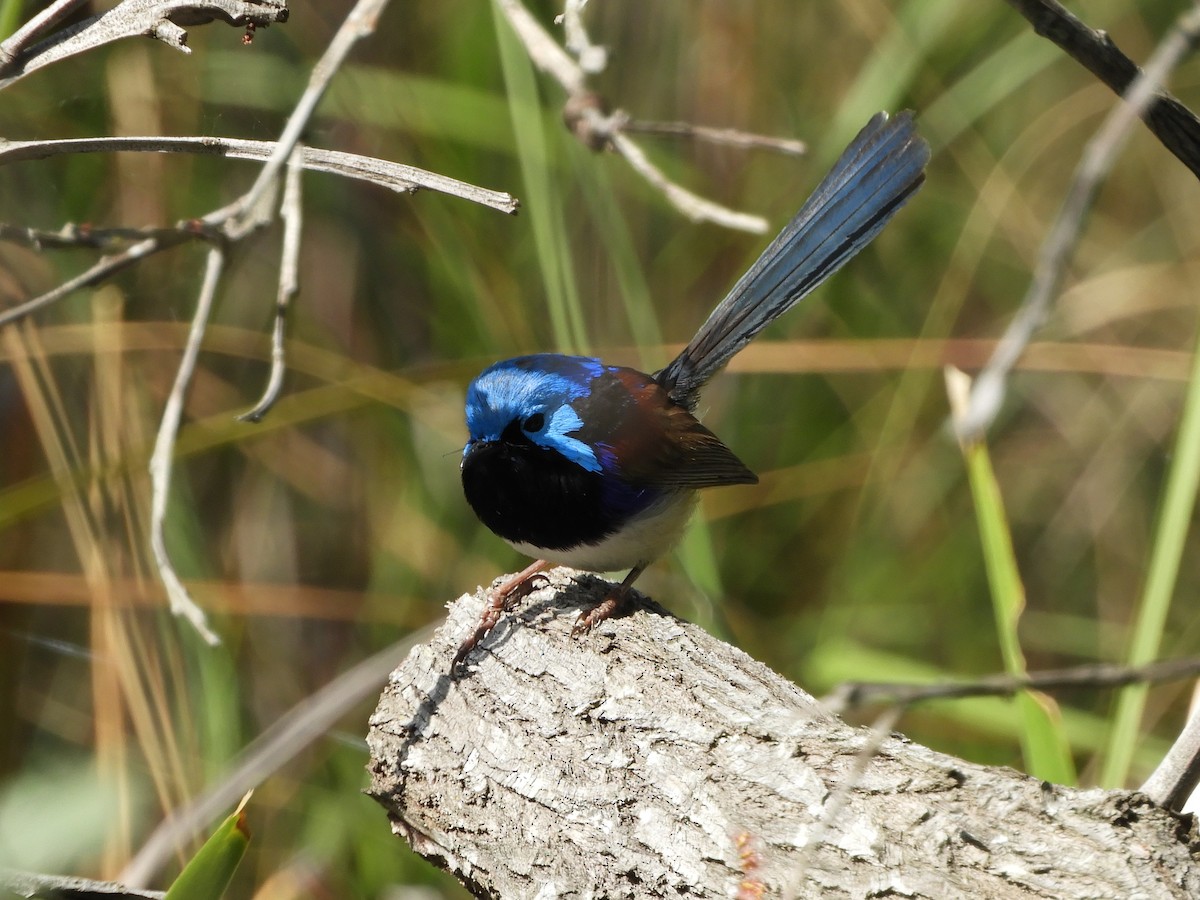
x: 527, y: 401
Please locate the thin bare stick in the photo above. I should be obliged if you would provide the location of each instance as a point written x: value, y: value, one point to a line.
x: 1176, y: 777
x: 693, y: 206
x: 596, y: 128
x: 181, y: 601
x: 360, y: 23
x: 1176, y: 126
x: 856, y: 694
x: 729, y: 137
x: 72, y: 235
x: 246, y: 214
x: 592, y: 57
x: 393, y: 176
x: 543, y: 50
x: 105, y: 267
x: 1102, y: 150
x: 291, y: 733
x: 291, y: 211
x: 400, y: 178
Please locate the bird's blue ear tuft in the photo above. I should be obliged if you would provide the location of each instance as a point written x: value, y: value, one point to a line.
x: 529, y: 398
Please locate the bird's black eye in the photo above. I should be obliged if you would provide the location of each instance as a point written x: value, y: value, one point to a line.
x: 534, y: 422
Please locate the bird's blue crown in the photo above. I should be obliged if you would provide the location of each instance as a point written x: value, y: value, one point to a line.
x: 534, y: 393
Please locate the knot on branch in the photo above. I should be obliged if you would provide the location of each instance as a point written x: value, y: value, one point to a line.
x: 587, y: 116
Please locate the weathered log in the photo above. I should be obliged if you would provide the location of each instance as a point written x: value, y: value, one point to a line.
x: 648, y: 759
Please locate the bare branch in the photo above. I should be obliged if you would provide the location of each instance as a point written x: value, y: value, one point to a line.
x: 592, y: 57
x: 1176, y: 126
x: 291, y: 211
x: 393, y: 176
x: 695, y: 207
x: 181, y: 601
x: 543, y: 50
x: 105, y: 267
x: 709, y: 753
x: 72, y: 236
x: 360, y: 23
x: 42, y: 22
x: 1176, y: 777
x: 730, y: 137
x: 854, y: 694
x: 396, y: 177
x: 588, y: 120
x: 1099, y: 156
x: 160, y: 19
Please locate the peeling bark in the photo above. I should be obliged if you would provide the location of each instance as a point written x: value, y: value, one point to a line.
x: 648, y: 759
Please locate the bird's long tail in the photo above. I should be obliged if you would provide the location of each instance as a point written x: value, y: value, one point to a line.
x: 883, y: 166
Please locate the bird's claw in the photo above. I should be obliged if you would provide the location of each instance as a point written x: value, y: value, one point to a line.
x: 523, y: 589
x: 501, y: 599
x: 605, y: 609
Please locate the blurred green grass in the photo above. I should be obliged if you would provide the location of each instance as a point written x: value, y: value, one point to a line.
x: 858, y: 556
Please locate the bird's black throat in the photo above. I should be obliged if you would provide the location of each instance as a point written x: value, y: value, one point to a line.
x: 527, y: 493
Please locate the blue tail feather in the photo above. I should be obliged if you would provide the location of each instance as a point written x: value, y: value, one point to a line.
x: 880, y: 169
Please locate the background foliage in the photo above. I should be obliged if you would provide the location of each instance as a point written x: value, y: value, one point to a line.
x: 338, y: 524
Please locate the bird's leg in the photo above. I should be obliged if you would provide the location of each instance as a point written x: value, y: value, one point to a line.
x: 607, y: 607
x: 500, y: 600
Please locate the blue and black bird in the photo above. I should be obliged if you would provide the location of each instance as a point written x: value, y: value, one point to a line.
x: 573, y: 461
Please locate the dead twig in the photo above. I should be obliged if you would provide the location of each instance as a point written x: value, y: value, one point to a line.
x: 855, y: 694
x: 1176, y: 126
x: 1142, y: 93
x: 393, y: 176
x: 181, y: 601
x: 105, y: 267
x: 729, y: 137
x: 587, y: 117
x: 160, y: 19
x: 27, y: 33
x: 1175, y: 779
x: 291, y: 211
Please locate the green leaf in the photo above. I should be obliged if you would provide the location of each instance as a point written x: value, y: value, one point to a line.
x: 208, y: 873
x: 1169, y: 540
x: 1044, y: 746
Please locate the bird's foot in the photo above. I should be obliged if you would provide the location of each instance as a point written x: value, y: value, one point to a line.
x: 501, y: 599
x: 610, y: 606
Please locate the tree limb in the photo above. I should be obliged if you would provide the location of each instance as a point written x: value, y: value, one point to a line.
x: 161, y: 19
x: 393, y: 176
x: 1176, y: 126
x: 648, y: 756
x: 37, y: 886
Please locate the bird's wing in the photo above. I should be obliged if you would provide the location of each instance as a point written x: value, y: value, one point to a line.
x: 645, y: 438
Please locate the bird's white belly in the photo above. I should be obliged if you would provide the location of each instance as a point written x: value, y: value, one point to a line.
x: 639, y: 541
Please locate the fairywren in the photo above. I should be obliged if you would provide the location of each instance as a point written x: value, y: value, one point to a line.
x: 594, y: 466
